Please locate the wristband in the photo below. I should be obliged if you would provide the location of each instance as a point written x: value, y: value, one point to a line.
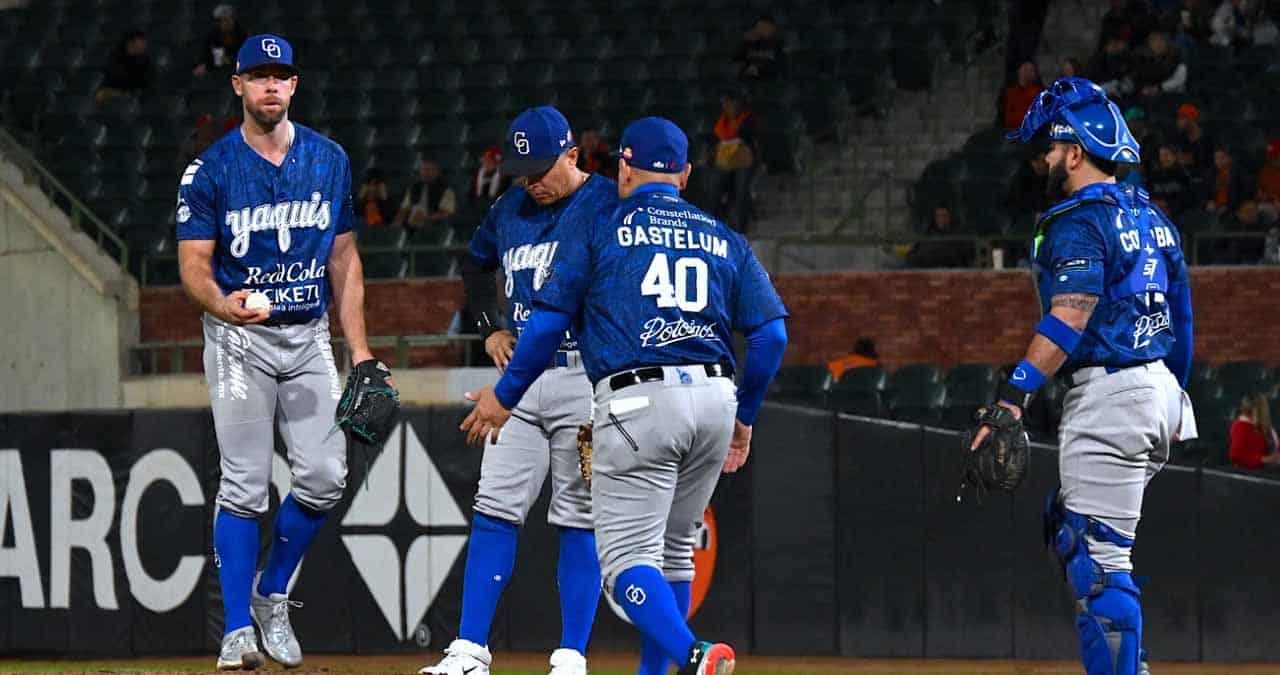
x: 485, y: 326
x: 1059, y: 333
x: 1021, y: 386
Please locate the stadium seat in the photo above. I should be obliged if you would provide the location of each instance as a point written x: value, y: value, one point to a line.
x: 847, y: 397
x: 803, y: 384
x: 914, y: 374
x: 919, y: 402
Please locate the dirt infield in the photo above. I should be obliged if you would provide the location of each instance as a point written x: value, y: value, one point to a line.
x: 624, y: 664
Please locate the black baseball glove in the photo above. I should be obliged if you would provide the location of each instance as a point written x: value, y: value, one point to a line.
x: 370, y: 406
x: 1000, y: 462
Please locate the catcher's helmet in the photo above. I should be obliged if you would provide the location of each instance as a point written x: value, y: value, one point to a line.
x: 1077, y: 110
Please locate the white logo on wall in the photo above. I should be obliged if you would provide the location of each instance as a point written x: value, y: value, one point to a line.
x: 404, y: 592
x: 271, y: 47
x: 89, y: 532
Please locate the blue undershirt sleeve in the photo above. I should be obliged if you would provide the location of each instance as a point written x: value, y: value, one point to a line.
x: 1179, y: 358
x: 765, y: 345
x: 536, y: 347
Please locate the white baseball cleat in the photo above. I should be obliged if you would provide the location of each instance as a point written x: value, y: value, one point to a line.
x: 240, y: 651
x: 271, y: 614
x: 461, y: 657
x: 568, y: 662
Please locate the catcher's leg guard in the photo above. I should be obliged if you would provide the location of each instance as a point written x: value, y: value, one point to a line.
x: 1110, y: 618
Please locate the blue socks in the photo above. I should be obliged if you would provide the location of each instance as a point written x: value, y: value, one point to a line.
x: 654, y: 661
x: 296, y: 526
x: 235, y: 543
x: 650, y: 603
x: 491, y: 555
x: 578, y: 577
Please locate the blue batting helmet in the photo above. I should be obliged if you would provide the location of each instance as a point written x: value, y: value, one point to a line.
x: 1078, y: 111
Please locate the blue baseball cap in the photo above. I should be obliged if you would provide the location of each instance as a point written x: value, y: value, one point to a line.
x: 265, y: 50
x: 654, y: 144
x: 536, y: 139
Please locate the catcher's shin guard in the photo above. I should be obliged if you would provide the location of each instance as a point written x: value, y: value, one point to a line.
x: 1109, y: 619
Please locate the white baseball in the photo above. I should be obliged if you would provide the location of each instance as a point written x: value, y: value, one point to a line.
x: 257, y: 300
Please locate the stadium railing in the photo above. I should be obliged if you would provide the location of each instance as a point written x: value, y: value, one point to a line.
x: 81, y: 217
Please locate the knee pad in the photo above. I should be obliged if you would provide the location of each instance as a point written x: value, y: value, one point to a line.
x: 1110, y: 628
x: 1109, y: 619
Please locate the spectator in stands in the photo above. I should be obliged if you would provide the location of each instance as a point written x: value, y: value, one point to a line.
x: 218, y: 53
x: 931, y: 254
x: 593, y: 154
x: 1070, y: 67
x: 1019, y: 94
x: 1268, y: 194
x: 761, y: 55
x: 1158, y: 68
x: 863, y: 356
x: 1227, y: 185
x: 1112, y: 68
x: 129, y: 70
x: 1191, y: 137
x: 734, y: 163
x: 1200, y: 185
x: 1169, y: 183
x: 1230, y: 24
x: 1130, y: 20
x: 1253, y: 439
x: 430, y: 200
x: 1241, y: 251
x: 1190, y: 23
x: 1265, y: 30
x: 489, y: 182
x: 373, y: 200
x: 1028, y: 192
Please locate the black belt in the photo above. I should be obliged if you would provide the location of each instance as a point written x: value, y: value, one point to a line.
x: 653, y: 374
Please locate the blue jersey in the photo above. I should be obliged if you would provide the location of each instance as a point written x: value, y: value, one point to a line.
x: 524, y: 237
x: 1108, y: 240
x: 274, y: 226
x: 659, y: 283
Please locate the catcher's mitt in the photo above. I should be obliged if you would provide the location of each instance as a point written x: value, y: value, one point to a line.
x: 584, y: 451
x: 369, y: 406
x: 1000, y: 463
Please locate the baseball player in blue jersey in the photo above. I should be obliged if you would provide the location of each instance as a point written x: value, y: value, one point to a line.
x: 523, y: 234
x: 267, y: 209
x: 656, y: 291
x: 1117, y: 325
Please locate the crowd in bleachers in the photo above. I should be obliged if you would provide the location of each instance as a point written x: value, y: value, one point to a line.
x: 1199, y: 85
x: 112, y: 95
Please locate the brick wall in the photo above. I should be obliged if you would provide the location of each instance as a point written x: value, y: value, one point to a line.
x: 944, y: 317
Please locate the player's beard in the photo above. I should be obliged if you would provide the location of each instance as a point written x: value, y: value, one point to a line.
x: 266, y: 120
x: 1055, y: 187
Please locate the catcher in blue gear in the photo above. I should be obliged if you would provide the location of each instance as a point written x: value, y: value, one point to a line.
x: 1117, y: 326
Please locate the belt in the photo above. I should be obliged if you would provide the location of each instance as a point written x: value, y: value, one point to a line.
x: 1081, y: 375
x: 656, y: 373
x: 564, y: 359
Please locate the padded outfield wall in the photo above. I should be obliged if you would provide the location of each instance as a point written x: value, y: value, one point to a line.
x: 842, y: 536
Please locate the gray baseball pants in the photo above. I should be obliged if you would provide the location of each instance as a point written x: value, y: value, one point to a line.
x: 659, y: 449
x: 1115, y: 436
x: 263, y: 378
x: 541, y: 437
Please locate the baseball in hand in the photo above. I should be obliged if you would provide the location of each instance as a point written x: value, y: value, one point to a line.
x: 257, y: 300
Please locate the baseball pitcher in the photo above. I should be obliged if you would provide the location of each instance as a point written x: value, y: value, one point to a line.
x: 1117, y: 325
x: 523, y: 233
x: 656, y: 290
x: 267, y: 209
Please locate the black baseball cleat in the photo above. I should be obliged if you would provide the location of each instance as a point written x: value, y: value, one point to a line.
x: 706, y: 658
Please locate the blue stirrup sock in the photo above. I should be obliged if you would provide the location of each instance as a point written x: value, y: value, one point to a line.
x: 654, y: 661
x: 235, y: 543
x: 651, y: 605
x: 491, y: 555
x: 578, y: 578
x: 296, y: 527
